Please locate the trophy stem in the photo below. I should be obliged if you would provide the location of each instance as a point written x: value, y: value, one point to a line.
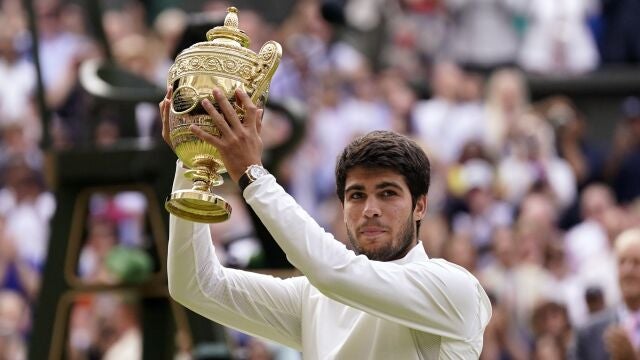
x: 199, y: 203
x: 205, y: 174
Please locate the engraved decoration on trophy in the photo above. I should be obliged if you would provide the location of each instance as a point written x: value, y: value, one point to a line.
x: 226, y: 62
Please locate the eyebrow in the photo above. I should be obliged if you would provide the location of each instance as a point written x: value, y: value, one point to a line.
x: 382, y: 185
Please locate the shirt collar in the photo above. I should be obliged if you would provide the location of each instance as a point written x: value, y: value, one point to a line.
x: 416, y: 254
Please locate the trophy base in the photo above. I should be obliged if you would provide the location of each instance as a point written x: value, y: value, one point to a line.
x: 198, y: 206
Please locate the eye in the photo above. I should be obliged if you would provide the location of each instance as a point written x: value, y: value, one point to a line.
x: 356, y: 195
x: 388, y: 193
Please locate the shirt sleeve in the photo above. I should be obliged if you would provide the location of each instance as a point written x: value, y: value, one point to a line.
x: 433, y: 296
x: 258, y: 304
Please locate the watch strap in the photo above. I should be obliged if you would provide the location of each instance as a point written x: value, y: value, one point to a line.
x: 248, y: 176
x: 244, y: 181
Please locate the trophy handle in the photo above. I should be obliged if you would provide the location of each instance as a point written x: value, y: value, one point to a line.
x: 269, y: 58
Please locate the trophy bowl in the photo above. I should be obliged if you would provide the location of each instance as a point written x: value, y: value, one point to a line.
x: 225, y: 62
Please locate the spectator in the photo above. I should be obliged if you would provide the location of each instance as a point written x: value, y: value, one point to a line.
x: 557, y: 40
x: 460, y: 251
x: 554, y: 335
x: 127, y: 335
x: 169, y: 25
x: 483, y: 34
x: 516, y: 279
x: 566, y: 286
x: 61, y: 53
x: 16, y: 143
x: 507, y: 99
x: 434, y: 120
x: 416, y: 30
x: 501, y: 339
x: 589, y: 238
x: 533, y: 165
x: 401, y: 99
x: 584, y: 155
x: 101, y: 239
x: 599, y: 270
x: 27, y: 207
x: 537, y: 224
x: 615, y: 333
x: 16, y: 101
x: 623, y: 165
x: 485, y: 213
x: 14, y: 322
x: 16, y: 274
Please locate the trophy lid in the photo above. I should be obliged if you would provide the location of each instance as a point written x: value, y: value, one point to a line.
x: 230, y: 30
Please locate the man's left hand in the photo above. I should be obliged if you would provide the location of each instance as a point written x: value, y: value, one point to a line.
x: 239, y: 142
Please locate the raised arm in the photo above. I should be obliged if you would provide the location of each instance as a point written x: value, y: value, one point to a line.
x: 258, y: 304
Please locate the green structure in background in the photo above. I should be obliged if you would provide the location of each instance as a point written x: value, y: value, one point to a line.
x: 74, y: 176
x: 146, y: 167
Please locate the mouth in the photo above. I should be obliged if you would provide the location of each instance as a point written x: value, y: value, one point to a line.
x: 372, y: 231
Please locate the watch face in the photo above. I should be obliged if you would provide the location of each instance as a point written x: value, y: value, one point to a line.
x: 257, y: 171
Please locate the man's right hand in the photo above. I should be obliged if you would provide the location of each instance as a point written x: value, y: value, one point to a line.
x: 165, y: 107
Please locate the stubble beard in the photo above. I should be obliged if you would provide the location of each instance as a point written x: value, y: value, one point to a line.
x: 390, y: 252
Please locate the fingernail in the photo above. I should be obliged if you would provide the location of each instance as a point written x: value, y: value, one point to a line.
x: 205, y: 102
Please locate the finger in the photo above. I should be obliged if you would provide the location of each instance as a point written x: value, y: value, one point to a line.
x: 167, y: 103
x: 165, y: 107
x: 229, y: 113
x: 161, y: 104
x: 205, y: 136
x: 217, y: 119
x: 259, y: 120
x: 251, y: 110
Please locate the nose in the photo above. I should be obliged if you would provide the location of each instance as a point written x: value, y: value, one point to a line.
x: 371, y: 208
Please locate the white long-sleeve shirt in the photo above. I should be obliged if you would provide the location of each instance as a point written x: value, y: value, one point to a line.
x: 345, y: 307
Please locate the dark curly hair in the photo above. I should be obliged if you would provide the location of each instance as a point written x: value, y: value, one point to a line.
x: 386, y: 150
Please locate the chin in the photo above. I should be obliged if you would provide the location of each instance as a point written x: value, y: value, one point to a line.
x: 381, y: 253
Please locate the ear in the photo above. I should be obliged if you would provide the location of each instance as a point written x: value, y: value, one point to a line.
x: 420, y: 209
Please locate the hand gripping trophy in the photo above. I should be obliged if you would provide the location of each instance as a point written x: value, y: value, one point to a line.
x: 225, y: 62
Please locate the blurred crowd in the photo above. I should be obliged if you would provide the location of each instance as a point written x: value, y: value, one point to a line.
x: 522, y: 194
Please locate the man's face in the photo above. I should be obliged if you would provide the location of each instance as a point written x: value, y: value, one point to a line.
x: 378, y: 213
x: 629, y: 272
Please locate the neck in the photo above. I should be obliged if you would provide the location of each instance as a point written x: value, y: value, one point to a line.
x: 403, y: 252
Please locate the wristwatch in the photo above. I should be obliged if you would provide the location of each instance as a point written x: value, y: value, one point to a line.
x: 252, y: 173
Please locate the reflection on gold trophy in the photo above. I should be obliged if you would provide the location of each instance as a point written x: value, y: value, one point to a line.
x: 225, y: 62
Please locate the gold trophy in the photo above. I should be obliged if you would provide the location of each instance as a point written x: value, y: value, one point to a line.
x: 226, y: 62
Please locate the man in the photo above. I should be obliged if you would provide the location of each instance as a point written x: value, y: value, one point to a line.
x: 615, y: 334
x: 383, y: 299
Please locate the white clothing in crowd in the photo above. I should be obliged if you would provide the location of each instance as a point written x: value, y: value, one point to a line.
x: 558, y: 38
x: 483, y: 33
